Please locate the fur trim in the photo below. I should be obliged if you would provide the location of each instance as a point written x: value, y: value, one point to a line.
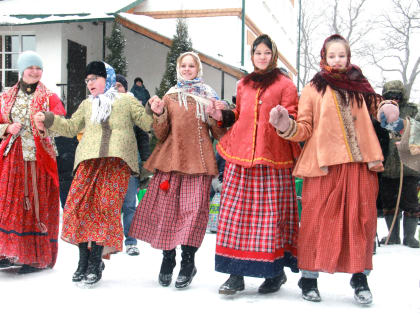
x: 263, y: 81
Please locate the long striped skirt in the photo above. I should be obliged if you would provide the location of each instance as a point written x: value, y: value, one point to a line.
x: 176, y: 216
x: 338, y: 221
x: 93, y: 207
x: 258, y: 222
x: 21, y: 239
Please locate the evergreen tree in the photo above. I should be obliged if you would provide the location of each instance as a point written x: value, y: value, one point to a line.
x: 116, y: 45
x: 180, y: 44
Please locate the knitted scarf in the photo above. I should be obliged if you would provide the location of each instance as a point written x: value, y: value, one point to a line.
x: 349, y: 82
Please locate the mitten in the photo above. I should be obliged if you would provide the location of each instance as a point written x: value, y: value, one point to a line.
x: 279, y: 118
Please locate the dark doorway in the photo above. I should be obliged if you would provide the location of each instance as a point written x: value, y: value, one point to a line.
x: 76, y: 66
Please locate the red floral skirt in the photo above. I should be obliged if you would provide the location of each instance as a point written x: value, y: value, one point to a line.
x: 21, y: 240
x: 338, y: 221
x: 93, y: 207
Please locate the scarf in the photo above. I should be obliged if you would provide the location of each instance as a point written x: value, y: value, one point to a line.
x: 200, y: 92
x: 102, y: 103
x: 45, y: 154
x: 348, y: 82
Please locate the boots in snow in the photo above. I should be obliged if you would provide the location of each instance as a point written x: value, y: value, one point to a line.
x: 167, y: 267
x: 83, y: 262
x: 395, y: 234
x: 232, y: 285
x: 271, y: 285
x: 309, y: 289
x: 188, y: 270
x: 362, y: 292
x: 28, y: 269
x: 410, y: 226
x: 5, y: 263
x: 95, y: 265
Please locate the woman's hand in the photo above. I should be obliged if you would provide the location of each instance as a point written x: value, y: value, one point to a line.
x: 14, y: 128
x: 214, y: 109
x: 39, y: 119
x: 279, y: 118
x: 156, y: 104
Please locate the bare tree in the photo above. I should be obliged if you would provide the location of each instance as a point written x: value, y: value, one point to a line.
x: 340, y: 17
x: 396, y: 54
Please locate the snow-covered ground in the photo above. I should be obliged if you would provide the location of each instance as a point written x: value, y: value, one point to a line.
x: 129, y: 285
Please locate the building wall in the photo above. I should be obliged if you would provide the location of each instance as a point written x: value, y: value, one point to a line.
x: 147, y: 59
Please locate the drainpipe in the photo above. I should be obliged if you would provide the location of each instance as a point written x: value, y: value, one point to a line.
x: 103, y: 39
x: 298, y: 47
x: 222, y: 90
x: 243, y: 33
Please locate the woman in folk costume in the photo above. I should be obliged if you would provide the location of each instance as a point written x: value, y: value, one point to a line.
x: 29, y: 194
x: 258, y: 220
x: 338, y: 163
x: 105, y: 158
x: 174, y: 210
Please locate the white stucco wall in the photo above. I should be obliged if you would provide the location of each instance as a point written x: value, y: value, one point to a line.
x: 48, y: 46
x: 147, y: 59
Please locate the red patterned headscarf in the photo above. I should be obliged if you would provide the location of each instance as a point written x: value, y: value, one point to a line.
x: 349, y: 81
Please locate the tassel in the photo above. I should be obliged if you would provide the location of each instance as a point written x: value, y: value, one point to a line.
x: 164, y: 185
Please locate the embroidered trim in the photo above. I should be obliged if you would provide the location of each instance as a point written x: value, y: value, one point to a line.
x: 342, y: 125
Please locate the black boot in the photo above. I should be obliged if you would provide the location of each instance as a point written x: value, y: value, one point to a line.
x: 271, y: 285
x: 83, y: 262
x: 232, y: 285
x: 395, y: 234
x: 28, y: 269
x: 5, y: 263
x: 95, y: 265
x: 362, y: 292
x: 188, y: 270
x: 167, y: 267
x: 410, y: 226
x: 309, y: 289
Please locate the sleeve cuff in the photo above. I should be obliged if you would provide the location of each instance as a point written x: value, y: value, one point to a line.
x: 290, y: 132
x: 162, y: 117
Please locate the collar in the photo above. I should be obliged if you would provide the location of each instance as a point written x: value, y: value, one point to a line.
x: 27, y: 88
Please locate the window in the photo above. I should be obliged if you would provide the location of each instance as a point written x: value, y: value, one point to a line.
x: 10, y: 48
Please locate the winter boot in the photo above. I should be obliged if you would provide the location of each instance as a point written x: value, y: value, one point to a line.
x: 83, y: 262
x: 95, y: 265
x: 232, y: 285
x: 167, y: 267
x: 271, y: 285
x: 410, y: 226
x: 188, y: 270
x: 395, y: 234
x: 5, y: 263
x: 309, y: 289
x: 25, y: 269
x: 362, y: 292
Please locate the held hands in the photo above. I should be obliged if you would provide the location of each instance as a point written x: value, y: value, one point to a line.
x: 390, y: 110
x: 156, y: 104
x: 279, y: 118
x: 39, y: 119
x: 14, y: 128
x: 215, y: 109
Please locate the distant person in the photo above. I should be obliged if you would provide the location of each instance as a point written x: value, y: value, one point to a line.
x: 140, y: 91
x: 390, y: 182
x: 129, y: 205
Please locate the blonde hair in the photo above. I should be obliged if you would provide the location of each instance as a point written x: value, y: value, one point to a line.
x: 196, y: 59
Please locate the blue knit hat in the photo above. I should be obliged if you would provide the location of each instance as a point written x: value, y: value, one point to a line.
x: 27, y: 59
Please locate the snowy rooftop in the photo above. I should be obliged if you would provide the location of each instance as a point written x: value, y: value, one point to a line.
x: 47, y: 11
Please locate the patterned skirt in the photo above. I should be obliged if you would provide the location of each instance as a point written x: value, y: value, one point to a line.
x: 93, y: 208
x: 176, y: 216
x: 21, y: 239
x: 338, y: 222
x: 258, y: 222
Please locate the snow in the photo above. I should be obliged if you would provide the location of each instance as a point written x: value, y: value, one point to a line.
x: 29, y: 7
x: 129, y: 285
